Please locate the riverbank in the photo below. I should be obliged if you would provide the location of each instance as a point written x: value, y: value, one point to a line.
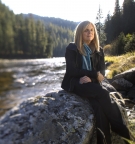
x: 34, y: 79
x: 57, y: 117
x: 118, y: 64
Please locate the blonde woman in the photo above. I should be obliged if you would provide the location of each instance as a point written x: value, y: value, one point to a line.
x: 85, y: 69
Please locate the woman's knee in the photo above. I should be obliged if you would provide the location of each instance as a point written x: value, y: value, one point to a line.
x: 103, y: 93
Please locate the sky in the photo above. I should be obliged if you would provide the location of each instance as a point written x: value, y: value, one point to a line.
x: 73, y: 10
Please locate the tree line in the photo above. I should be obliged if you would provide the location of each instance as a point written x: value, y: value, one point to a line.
x: 120, y: 29
x: 25, y: 37
x: 32, y: 36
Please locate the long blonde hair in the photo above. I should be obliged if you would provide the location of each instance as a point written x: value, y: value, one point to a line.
x: 78, y: 37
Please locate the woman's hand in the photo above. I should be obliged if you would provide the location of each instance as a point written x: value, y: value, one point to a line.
x: 100, y: 77
x: 84, y: 79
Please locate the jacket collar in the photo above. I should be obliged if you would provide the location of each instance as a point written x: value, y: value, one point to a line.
x: 72, y: 46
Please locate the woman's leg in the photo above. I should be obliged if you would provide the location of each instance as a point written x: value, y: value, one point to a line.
x: 102, y: 123
x: 117, y: 124
x: 94, y: 90
x: 111, y: 111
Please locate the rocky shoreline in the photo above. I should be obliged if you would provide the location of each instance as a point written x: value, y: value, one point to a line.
x: 61, y: 117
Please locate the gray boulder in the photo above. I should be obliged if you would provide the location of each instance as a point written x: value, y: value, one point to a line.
x: 106, y: 84
x: 121, y: 84
x: 125, y: 83
x: 56, y: 118
x: 128, y: 75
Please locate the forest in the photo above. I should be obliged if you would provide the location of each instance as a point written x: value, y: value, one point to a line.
x: 120, y: 29
x: 32, y: 36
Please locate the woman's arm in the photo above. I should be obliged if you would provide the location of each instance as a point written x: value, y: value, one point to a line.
x: 101, y: 66
x: 72, y: 69
x: 102, y: 63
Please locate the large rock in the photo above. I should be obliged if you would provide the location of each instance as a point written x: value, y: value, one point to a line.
x: 125, y: 83
x: 128, y: 75
x: 106, y: 84
x: 122, y: 84
x: 57, y: 118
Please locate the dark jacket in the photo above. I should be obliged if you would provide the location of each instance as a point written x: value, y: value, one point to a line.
x: 74, y: 66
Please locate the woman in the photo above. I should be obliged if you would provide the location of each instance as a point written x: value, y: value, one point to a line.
x: 85, y: 69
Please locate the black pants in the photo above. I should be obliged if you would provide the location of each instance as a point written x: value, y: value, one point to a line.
x: 107, y: 113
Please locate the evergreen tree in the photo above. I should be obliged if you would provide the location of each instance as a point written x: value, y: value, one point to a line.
x: 100, y: 27
x: 120, y: 44
x: 108, y: 28
x: 113, y: 24
x: 26, y: 37
x: 117, y: 8
x: 130, y: 45
x: 128, y: 16
x: 49, y: 48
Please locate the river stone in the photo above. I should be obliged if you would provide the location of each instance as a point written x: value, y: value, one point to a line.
x: 56, y: 118
x: 128, y: 75
x: 122, y: 84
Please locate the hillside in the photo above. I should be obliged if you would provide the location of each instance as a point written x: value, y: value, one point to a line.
x: 33, y: 36
x: 56, y: 21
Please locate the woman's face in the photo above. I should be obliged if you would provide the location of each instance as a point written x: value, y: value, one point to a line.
x: 88, y: 34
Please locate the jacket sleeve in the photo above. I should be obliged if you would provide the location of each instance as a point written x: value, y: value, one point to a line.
x: 72, y: 69
x: 102, y: 63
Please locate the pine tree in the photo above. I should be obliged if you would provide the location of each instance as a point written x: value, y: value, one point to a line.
x: 100, y: 27
x: 128, y: 16
x: 108, y: 28
x: 117, y: 8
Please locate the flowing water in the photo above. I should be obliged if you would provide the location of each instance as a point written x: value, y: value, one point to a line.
x: 30, y: 78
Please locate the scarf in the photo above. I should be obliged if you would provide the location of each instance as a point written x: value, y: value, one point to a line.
x: 86, y: 64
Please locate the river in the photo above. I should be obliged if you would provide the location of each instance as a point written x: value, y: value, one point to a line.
x: 31, y: 77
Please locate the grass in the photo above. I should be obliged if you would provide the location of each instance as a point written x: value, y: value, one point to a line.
x: 129, y: 141
x: 120, y: 63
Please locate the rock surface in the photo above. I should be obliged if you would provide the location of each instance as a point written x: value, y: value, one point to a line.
x: 125, y: 82
x: 122, y: 84
x: 128, y: 75
x: 57, y: 118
